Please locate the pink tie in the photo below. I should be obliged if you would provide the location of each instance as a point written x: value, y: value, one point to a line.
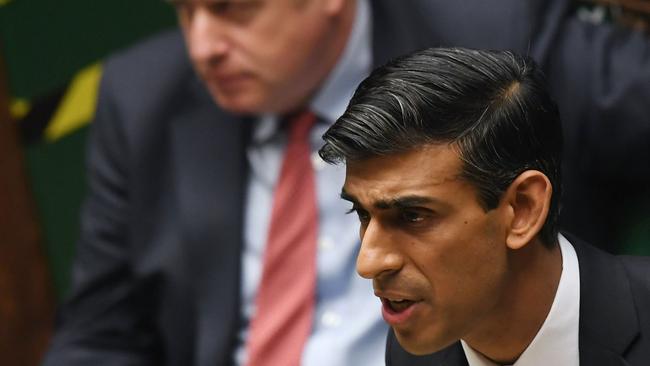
x: 287, y: 291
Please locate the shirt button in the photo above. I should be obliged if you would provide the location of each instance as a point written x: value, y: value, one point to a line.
x: 325, y: 243
x: 331, y: 319
x: 317, y: 162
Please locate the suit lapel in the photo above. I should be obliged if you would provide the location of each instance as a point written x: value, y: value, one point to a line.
x: 209, y: 150
x: 608, y: 319
x: 454, y: 356
x: 592, y: 353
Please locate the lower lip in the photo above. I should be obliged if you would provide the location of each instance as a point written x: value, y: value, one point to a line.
x: 393, y: 317
x: 228, y: 82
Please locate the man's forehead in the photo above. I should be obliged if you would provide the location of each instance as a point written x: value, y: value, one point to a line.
x: 395, y: 190
x: 436, y: 163
x: 396, y: 179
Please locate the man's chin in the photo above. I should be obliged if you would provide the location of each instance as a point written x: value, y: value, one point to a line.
x: 238, y: 103
x: 419, y: 345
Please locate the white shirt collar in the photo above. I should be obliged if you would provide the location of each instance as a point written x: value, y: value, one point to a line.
x: 333, y: 97
x: 556, y: 343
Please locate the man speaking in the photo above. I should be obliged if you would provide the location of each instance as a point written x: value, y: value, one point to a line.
x: 453, y: 168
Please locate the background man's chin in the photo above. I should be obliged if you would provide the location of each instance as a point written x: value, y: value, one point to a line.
x: 237, y: 104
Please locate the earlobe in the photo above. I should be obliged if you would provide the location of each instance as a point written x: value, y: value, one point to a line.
x: 529, y: 195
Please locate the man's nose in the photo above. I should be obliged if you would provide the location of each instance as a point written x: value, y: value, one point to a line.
x: 378, y: 255
x: 207, y: 35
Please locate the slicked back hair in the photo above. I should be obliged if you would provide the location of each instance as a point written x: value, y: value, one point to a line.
x: 492, y: 106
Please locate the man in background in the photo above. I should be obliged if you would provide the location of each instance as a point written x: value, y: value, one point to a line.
x: 212, y: 233
x: 453, y: 169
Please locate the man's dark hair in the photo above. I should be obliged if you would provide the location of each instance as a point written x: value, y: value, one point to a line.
x: 491, y: 105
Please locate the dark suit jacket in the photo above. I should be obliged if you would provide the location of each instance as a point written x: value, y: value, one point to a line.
x: 614, y: 315
x: 156, y: 279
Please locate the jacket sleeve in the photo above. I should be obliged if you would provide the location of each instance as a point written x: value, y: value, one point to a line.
x: 106, y: 320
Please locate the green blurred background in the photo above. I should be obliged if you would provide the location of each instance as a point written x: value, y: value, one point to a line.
x: 44, y: 44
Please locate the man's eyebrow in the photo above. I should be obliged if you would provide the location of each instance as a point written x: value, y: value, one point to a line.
x: 397, y: 202
x: 403, y: 202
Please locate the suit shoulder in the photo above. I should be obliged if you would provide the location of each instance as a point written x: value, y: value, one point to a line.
x: 161, y: 49
x: 146, y: 86
x: 151, y: 64
x: 149, y: 74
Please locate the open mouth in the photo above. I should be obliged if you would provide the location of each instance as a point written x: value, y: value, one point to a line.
x: 398, y: 311
x: 397, y: 305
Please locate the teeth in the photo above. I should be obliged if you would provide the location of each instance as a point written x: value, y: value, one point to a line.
x: 399, y: 304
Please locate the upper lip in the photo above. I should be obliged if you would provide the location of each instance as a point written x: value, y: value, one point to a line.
x: 395, y: 295
x: 224, y: 77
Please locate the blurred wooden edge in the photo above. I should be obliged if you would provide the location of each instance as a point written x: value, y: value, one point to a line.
x: 631, y: 13
x: 640, y: 6
x: 26, y: 295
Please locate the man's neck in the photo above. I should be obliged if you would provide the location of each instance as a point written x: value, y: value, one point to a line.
x: 535, y: 272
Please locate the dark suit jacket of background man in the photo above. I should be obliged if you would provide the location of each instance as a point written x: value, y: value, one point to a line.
x: 157, y: 274
x: 614, y: 315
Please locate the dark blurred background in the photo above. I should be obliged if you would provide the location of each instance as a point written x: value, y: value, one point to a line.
x: 51, y: 55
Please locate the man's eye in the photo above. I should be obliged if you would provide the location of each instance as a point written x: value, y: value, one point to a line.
x: 362, y: 214
x: 241, y: 10
x: 411, y: 216
x: 220, y: 7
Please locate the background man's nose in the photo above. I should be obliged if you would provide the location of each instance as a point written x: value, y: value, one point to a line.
x: 206, y: 36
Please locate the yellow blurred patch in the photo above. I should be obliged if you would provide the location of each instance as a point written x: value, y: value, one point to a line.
x: 77, y: 107
x: 18, y: 108
x: 4, y: 2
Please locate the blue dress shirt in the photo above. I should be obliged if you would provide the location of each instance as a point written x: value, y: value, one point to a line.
x: 348, y: 329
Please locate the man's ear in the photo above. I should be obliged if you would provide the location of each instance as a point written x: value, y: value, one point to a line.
x: 529, y: 196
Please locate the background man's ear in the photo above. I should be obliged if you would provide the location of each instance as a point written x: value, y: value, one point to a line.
x: 529, y: 195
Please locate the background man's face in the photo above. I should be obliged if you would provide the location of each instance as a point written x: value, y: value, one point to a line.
x: 259, y: 55
x: 426, y: 239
